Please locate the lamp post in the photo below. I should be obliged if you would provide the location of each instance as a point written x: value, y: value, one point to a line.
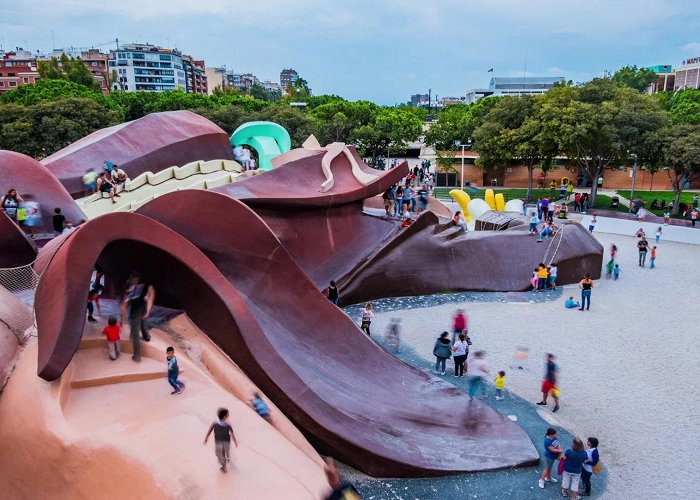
x: 463, y: 145
x: 634, y: 180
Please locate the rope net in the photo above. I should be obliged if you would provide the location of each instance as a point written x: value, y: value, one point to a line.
x: 17, y: 287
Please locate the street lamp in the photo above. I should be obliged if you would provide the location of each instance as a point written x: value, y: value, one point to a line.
x: 463, y: 145
x: 634, y: 181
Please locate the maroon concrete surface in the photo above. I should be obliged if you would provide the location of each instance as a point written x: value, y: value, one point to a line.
x: 430, y: 257
x: 351, y: 398
x: 28, y: 176
x: 297, y: 184
x: 16, y: 248
x: 151, y: 143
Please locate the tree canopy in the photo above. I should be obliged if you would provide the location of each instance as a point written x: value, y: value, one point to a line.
x: 68, y: 68
x: 633, y: 77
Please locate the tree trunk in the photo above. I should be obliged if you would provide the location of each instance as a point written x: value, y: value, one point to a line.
x: 651, y: 187
x: 594, y: 187
x: 530, y: 169
x: 677, y: 199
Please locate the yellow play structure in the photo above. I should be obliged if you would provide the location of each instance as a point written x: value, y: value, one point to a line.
x: 491, y: 201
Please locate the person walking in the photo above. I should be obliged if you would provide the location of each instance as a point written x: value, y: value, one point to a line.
x: 642, y: 246
x: 658, y: 235
x: 552, y: 450
x: 460, y: 349
x: 223, y: 433
x: 591, y: 225
x: 550, y: 383
x: 367, y: 315
x: 500, y: 383
x: 553, y: 275
x: 573, y: 458
x: 586, y: 286
x: 460, y: 324
x: 392, y: 338
x: 476, y: 370
x: 138, y: 302
x: 613, y: 251
x: 616, y: 272
x: 592, y: 464
x: 693, y: 216
x: 442, y: 352
x: 333, y: 293
x: 653, y: 257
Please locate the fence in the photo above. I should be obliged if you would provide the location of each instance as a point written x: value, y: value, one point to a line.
x: 17, y: 287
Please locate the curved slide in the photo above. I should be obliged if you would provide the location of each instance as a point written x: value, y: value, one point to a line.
x: 268, y: 138
x: 351, y: 398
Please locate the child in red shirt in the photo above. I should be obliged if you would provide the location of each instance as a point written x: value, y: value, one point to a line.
x: 113, y: 339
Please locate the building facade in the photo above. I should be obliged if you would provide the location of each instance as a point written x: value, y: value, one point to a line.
x: 288, y: 77
x: 688, y: 75
x: 195, y: 75
x: 665, y: 78
x: 17, y: 68
x: 143, y: 67
x: 526, y: 85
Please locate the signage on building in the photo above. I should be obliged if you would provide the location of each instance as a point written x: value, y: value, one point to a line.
x: 693, y: 60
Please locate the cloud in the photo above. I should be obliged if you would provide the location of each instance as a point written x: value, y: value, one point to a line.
x: 693, y: 47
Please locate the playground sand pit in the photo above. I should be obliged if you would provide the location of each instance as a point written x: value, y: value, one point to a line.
x: 627, y: 366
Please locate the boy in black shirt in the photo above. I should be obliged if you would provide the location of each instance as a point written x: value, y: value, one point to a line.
x: 223, y: 432
x: 58, y: 220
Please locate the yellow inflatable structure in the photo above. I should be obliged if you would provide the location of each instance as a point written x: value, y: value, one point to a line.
x: 490, y: 199
x: 462, y: 200
x: 500, y: 202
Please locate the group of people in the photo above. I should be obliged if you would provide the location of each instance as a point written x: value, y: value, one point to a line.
x: 25, y: 211
x: 643, y: 247
x: 544, y: 277
x: 576, y: 464
x: 105, y: 182
x: 245, y: 156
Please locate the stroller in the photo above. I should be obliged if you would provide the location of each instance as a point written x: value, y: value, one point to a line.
x: 615, y: 202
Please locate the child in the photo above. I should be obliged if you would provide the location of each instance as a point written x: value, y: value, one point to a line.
x: 591, y: 225
x: 553, y: 275
x: 260, y: 407
x: 94, y: 296
x: 570, y: 303
x: 111, y: 331
x: 500, y: 384
x: 653, y: 257
x: 533, y: 223
x: 552, y: 450
x: 58, y: 220
x: 667, y: 217
x: 609, y: 267
x: 223, y: 432
x: 617, y: 271
x: 658, y: 235
x: 173, y: 372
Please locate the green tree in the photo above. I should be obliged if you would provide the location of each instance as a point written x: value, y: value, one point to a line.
x: 298, y: 123
x: 391, y: 131
x: 599, y: 123
x: 682, y: 158
x: 684, y: 107
x: 68, y: 68
x: 638, y: 79
x: 49, y: 90
x: 337, y: 120
x: 458, y: 123
x: 511, y: 131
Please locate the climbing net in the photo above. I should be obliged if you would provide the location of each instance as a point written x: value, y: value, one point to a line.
x: 17, y: 287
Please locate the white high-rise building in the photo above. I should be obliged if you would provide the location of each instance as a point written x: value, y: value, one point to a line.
x: 147, y: 67
x: 525, y: 85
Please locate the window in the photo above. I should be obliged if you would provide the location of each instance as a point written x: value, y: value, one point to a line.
x: 13, y: 84
x: 139, y: 56
x: 112, y: 63
x: 121, y: 55
x: 2, y: 84
x: 26, y: 80
x: 164, y: 57
x: 12, y: 74
x: 93, y: 63
x: 126, y: 87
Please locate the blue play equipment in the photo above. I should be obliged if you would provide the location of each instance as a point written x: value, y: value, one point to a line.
x: 267, y: 138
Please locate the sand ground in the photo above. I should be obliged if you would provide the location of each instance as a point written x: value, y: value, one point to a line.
x: 628, y: 366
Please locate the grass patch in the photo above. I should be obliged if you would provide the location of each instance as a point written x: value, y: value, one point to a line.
x: 508, y: 193
x: 649, y: 196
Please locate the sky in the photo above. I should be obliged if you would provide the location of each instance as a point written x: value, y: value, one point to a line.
x: 382, y: 51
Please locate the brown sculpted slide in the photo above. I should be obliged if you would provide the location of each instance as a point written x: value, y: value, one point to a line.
x: 238, y: 283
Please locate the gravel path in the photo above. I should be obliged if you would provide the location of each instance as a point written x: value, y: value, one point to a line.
x: 628, y: 366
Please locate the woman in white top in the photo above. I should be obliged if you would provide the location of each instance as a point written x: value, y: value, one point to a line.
x: 367, y: 318
x: 460, y: 350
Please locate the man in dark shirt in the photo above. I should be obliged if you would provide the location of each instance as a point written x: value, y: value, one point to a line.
x: 642, y: 246
x: 223, y: 433
x: 138, y: 302
x: 58, y: 220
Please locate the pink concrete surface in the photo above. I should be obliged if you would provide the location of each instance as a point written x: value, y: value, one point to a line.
x: 151, y: 143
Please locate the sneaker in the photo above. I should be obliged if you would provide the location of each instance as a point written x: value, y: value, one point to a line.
x: 91, y: 319
x: 541, y: 483
x: 147, y: 338
x: 542, y: 403
x: 175, y: 392
x: 552, y: 479
x: 556, y: 409
x: 442, y: 373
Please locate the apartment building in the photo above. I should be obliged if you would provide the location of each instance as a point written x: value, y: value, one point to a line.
x: 17, y: 68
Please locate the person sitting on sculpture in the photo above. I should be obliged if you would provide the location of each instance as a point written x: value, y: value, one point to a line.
x: 104, y: 185
x: 119, y: 177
